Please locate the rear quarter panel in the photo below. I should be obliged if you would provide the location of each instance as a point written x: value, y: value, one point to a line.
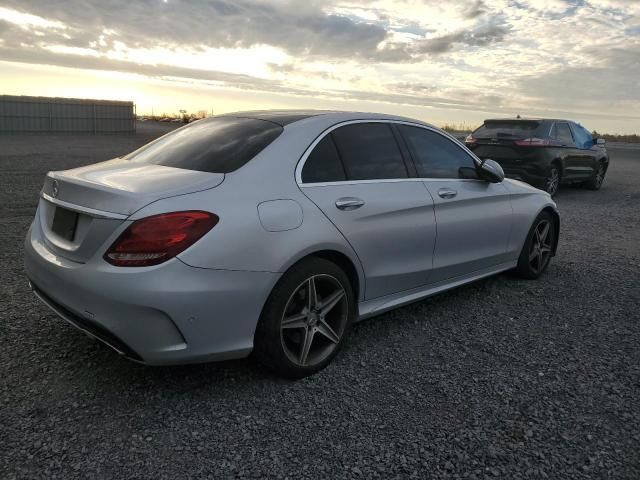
x: 240, y: 241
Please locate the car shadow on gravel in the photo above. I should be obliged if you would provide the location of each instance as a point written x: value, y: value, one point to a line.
x: 106, y: 364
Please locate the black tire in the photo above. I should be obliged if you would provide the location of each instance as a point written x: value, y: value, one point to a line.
x: 596, y: 182
x: 530, y: 266
x: 554, y: 177
x: 280, y: 348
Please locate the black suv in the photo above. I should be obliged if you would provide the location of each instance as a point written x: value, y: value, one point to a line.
x: 542, y: 152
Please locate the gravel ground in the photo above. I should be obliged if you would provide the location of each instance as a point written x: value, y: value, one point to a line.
x: 503, y: 378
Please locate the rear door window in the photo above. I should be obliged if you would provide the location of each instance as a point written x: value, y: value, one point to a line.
x: 436, y: 156
x: 369, y: 151
x: 216, y: 145
x: 323, y: 164
x: 563, y: 134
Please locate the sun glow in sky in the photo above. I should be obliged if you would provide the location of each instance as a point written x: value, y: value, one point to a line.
x: 458, y: 61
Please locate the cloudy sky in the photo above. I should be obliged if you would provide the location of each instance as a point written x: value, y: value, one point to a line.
x: 442, y: 61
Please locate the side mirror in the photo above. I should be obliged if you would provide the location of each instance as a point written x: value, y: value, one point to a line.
x: 490, y: 171
x: 600, y: 141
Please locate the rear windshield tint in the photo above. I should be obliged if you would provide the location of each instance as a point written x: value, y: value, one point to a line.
x: 216, y: 145
x: 508, y: 129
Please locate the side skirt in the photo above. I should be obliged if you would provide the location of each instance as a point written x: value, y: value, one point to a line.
x: 377, y: 306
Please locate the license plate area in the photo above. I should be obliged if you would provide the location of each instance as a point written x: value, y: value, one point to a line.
x: 64, y: 223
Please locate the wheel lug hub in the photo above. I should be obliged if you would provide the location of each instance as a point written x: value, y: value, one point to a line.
x: 312, y: 319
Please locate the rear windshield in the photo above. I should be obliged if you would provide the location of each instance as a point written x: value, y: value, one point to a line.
x: 508, y: 129
x: 216, y: 145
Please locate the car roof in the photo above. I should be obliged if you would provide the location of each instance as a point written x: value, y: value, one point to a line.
x: 281, y: 117
x: 523, y: 119
x: 286, y: 117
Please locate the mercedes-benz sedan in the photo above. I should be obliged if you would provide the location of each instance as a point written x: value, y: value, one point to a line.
x: 272, y: 232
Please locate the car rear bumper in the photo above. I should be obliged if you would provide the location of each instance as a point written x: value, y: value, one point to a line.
x: 168, y: 314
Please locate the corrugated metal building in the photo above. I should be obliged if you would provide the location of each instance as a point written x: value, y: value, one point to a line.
x: 65, y: 115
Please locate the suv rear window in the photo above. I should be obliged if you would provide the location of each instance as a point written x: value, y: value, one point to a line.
x: 216, y: 145
x: 508, y: 129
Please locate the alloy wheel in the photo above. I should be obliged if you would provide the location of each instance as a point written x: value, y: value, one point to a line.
x: 541, y: 245
x: 553, y: 182
x: 599, y: 176
x: 314, y: 320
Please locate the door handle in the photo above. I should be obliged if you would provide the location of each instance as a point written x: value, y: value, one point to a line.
x: 349, y: 203
x: 447, y: 193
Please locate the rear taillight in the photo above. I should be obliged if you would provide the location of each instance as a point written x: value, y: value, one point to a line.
x: 534, y: 142
x: 156, y: 239
x: 470, y: 140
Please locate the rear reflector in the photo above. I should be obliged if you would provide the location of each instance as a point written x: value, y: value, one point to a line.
x: 156, y: 239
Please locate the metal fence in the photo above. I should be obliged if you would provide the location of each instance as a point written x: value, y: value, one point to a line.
x: 65, y: 115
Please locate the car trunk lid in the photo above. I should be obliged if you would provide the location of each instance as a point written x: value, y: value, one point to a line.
x: 122, y: 187
x: 80, y: 209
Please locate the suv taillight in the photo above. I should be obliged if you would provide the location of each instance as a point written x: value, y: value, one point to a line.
x: 156, y: 239
x: 533, y: 142
x: 470, y: 140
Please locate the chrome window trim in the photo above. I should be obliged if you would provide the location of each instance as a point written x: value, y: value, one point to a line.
x: 307, y: 152
x: 389, y: 180
x: 553, y: 124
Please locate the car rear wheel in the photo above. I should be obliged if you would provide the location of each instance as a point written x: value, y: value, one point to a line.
x: 305, y: 319
x: 538, y: 248
x: 552, y: 183
x: 596, y: 182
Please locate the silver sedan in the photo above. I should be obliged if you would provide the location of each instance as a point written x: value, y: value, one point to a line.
x: 272, y: 232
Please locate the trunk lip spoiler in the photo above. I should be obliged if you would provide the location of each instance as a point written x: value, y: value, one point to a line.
x: 79, y: 208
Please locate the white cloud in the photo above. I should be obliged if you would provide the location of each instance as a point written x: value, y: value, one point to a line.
x: 484, y: 55
x: 27, y: 20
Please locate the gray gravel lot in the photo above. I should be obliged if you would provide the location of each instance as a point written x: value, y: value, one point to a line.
x: 503, y: 378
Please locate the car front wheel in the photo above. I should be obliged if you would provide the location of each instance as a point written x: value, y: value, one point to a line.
x: 538, y: 248
x: 596, y: 182
x: 305, y: 319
